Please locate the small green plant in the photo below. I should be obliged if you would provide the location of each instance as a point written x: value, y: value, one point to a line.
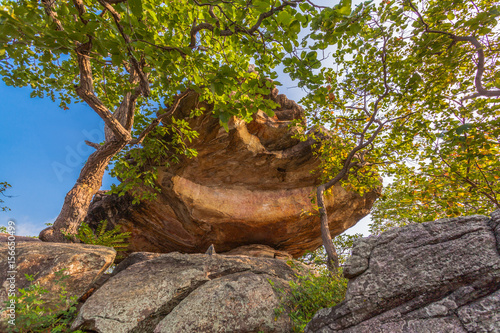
x: 111, y: 238
x: 32, y: 316
x: 309, y: 293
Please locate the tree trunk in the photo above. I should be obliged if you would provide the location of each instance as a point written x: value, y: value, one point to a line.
x: 332, y: 256
x: 78, y: 199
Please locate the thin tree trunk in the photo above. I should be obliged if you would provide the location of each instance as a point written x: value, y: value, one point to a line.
x: 332, y: 256
x: 78, y: 199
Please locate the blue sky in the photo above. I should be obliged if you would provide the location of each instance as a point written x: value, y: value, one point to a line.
x: 43, y: 151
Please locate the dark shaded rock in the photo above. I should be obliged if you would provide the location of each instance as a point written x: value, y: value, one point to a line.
x: 133, y: 259
x: 190, y: 293
x: 250, y: 185
x: 441, y: 276
x: 258, y: 251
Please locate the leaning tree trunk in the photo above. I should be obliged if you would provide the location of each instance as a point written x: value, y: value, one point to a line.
x: 78, y: 199
x: 332, y: 256
x: 117, y: 128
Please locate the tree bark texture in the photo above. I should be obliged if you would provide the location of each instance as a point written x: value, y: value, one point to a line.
x: 77, y: 201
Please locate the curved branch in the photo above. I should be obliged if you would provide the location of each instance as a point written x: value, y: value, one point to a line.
x: 49, y: 10
x: 228, y: 32
x: 156, y: 121
x: 86, y: 92
x: 481, y: 91
x: 142, y: 77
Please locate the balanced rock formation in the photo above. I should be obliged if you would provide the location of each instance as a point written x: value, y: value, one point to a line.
x: 82, y: 264
x: 441, y: 276
x: 251, y: 185
x: 188, y: 293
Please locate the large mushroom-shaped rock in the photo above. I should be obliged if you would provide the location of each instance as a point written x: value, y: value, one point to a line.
x: 441, y: 276
x: 189, y: 293
x: 250, y: 185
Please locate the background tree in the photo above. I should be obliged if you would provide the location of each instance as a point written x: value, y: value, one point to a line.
x: 453, y: 164
x: 131, y: 61
x: 412, y: 95
x: 355, y: 103
x: 3, y: 187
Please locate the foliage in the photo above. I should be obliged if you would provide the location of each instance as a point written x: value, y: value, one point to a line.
x: 451, y: 163
x: 111, y: 238
x: 309, y: 293
x: 3, y: 187
x: 40, y: 49
x: 166, y: 145
x: 131, y: 61
x: 421, y: 77
x: 343, y: 245
x: 31, y: 316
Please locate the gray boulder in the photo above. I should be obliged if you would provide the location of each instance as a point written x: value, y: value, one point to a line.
x: 441, y: 276
x: 189, y: 293
x: 83, y: 264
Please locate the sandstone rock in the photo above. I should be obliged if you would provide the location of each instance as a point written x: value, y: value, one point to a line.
x: 189, y: 293
x: 258, y: 251
x: 84, y: 264
x: 441, y: 276
x: 250, y: 185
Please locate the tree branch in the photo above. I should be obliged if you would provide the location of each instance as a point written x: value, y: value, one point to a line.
x: 86, y: 92
x: 481, y: 91
x: 228, y: 32
x: 144, y: 83
x: 156, y: 121
x: 49, y: 10
x: 92, y: 144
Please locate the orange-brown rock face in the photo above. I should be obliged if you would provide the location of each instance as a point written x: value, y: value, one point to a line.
x: 251, y: 185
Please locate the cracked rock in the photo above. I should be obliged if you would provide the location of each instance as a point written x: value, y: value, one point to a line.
x: 441, y: 276
x: 189, y: 293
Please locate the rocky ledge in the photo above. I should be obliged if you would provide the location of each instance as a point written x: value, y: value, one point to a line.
x: 441, y: 276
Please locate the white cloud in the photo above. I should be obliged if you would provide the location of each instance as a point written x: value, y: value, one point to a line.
x: 25, y: 227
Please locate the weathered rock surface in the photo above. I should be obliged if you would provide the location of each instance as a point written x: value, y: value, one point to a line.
x: 441, y: 276
x: 84, y: 264
x: 189, y: 293
x: 4, y: 237
x: 250, y: 185
x: 258, y: 251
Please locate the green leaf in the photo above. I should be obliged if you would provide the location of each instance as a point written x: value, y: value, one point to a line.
x: 295, y: 26
x: 355, y: 28
x: 136, y: 7
x: 284, y: 18
x: 262, y: 6
x: 463, y: 128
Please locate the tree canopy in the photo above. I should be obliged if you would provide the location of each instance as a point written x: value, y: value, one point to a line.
x: 412, y: 94
x: 131, y: 61
x: 407, y: 89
